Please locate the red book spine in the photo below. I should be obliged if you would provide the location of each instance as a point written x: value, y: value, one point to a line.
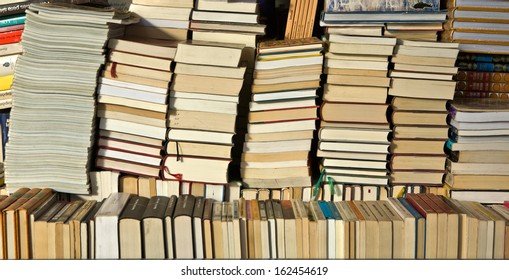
x: 12, y: 28
x: 482, y: 86
x: 477, y: 76
x: 506, y: 204
x: 10, y: 37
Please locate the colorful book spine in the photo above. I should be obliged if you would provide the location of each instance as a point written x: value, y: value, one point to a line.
x: 12, y: 28
x: 478, y: 76
x: 12, y: 20
x: 482, y: 86
x: 493, y: 58
x: 4, y: 129
x: 10, y: 37
x: 6, y: 82
x: 483, y: 66
x: 480, y: 94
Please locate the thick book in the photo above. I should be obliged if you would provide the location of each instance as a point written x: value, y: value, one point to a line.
x: 196, y: 169
x: 183, y: 227
x: 106, y: 226
x: 153, y: 228
x: 129, y: 228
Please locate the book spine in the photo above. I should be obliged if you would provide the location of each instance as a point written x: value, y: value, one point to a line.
x: 12, y: 21
x: 12, y: 28
x: 10, y: 37
x: 482, y: 86
x: 291, y: 16
x: 483, y: 66
x: 480, y: 94
x: 493, y: 58
x: 14, y: 8
x: 478, y: 76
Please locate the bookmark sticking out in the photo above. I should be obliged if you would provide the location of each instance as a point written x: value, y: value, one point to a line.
x: 331, y: 185
x: 114, y: 70
x: 319, y: 182
x: 177, y: 176
x: 178, y: 157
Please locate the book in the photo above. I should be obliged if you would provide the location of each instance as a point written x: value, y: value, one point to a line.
x: 106, y: 226
x: 369, y: 6
x: 225, y: 16
x: 182, y: 227
x: 395, y: 16
x: 77, y: 231
x: 431, y: 224
x: 198, y: 230
x: 351, y: 112
x: 153, y: 228
x: 40, y: 229
x: 215, y: 54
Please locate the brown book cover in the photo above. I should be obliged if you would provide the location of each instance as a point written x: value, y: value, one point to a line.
x: 11, y: 226
x: 207, y: 229
x: 23, y: 214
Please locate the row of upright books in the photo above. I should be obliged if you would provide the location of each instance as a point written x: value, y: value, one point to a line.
x: 38, y: 225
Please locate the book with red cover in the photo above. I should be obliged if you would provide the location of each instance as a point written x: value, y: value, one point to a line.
x: 431, y: 223
x: 479, y: 76
x: 10, y: 36
x: 131, y: 147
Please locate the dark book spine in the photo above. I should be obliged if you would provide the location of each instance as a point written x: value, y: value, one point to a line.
x: 278, y: 211
x: 269, y: 209
x: 207, y: 209
x: 286, y: 206
x: 483, y: 66
x: 483, y: 57
x: 4, y: 129
x: 171, y: 206
x: 482, y: 86
x: 156, y: 207
x: 135, y: 208
x: 185, y: 206
x: 92, y: 213
x: 14, y: 8
x: 199, y: 206
x: 478, y: 76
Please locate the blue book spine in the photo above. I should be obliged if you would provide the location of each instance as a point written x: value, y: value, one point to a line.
x: 4, y: 129
x: 417, y: 216
x: 12, y: 20
x: 324, y: 205
x: 335, y: 211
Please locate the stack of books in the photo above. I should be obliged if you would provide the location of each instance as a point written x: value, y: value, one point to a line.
x: 301, y: 19
x: 482, y: 75
x: 133, y: 102
x: 478, y: 167
x: 202, y: 114
x: 168, y: 20
x: 11, y: 28
x: 354, y: 130
x: 479, y: 27
x: 404, y: 19
x: 228, y: 22
x: 283, y: 113
x: 421, y: 86
x: 52, y: 125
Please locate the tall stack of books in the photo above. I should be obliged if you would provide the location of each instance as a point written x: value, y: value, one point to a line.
x: 354, y: 129
x: 228, y: 22
x: 478, y: 166
x: 133, y: 102
x: 52, y: 125
x: 421, y: 86
x: 404, y: 19
x: 283, y: 113
x: 168, y: 20
x: 202, y: 114
x: 479, y: 26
